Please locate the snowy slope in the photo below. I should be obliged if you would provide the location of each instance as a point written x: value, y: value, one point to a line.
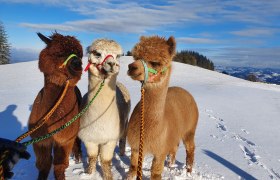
x: 237, y: 136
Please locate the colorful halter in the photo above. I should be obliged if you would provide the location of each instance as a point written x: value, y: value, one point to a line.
x: 148, y: 70
x: 66, y: 61
x: 100, y: 64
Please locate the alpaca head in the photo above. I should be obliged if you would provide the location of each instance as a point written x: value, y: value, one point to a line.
x: 61, y: 59
x: 156, y: 54
x: 104, y: 58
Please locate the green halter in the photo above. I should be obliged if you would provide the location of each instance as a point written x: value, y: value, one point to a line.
x: 66, y: 61
x: 151, y: 70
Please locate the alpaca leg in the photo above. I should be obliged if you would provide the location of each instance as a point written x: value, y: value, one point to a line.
x: 157, y: 167
x: 172, y: 156
x: 107, y: 152
x: 92, y: 151
x: 133, y: 164
x: 77, y: 150
x: 61, y: 159
x: 122, y: 143
x: 190, y: 147
x: 43, y: 159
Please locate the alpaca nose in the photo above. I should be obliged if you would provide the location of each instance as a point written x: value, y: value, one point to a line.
x: 132, y: 67
x: 111, y: 64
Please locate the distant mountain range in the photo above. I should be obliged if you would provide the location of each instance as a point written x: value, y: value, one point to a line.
x: 267, y: 75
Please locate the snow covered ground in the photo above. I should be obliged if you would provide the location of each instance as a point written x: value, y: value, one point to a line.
x: 237, y: 135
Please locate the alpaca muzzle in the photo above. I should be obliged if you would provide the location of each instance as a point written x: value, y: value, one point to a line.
x: 148, y: 74
x: 106, y: 66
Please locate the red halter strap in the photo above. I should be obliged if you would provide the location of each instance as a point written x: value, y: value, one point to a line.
x: 100, y: 64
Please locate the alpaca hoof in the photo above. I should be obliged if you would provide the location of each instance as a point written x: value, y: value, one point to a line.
x: 129, y: 176
x: 59, y: 176
x: 171, y: 165
x: 91, y: 164
x: 78, y: 160
x: 189, y: 169
x: 108, y: 177
x: 89, y: 170
x: 106, y: 168
x: 156, y: 177
x: 42, y: 176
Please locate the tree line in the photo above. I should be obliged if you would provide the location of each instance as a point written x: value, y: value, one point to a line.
x: 193, y: 58
x: 4, y: 46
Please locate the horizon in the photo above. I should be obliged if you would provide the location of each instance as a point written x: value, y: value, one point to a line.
x: 229, y: 33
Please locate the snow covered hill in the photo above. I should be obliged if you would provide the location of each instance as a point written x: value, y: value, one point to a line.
x: 267, y: 75
x: 237, y: 135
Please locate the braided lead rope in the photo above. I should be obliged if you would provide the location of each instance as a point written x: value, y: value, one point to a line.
x: 141, y: 143
x: 68, y: 123
x: 47, y: 116
x: 4, y: 155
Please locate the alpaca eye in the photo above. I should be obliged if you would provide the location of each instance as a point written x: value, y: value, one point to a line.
x: 155, y: 64
x: 96, y: 54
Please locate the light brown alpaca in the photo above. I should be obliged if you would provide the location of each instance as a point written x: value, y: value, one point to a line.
x: 171, y: 113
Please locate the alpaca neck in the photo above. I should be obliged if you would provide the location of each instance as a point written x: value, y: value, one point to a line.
x: 109, y: 84
x: 55, y: 80
x: 52, y: 92
x: 53, y: 87
x: 155, y: 97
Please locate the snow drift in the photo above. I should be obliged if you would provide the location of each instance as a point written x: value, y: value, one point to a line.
x: 237, y: 135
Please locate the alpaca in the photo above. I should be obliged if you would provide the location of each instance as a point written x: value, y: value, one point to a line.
x: 56, y: 72
x: 171, y: 113
x: 106, y: 120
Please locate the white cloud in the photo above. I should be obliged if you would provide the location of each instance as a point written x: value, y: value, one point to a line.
x: 251, y: 57
x: 49, y: 26
x: 190, y: 40
x: 255, y: 32
x: 239, y: 23
x: 142, y: 16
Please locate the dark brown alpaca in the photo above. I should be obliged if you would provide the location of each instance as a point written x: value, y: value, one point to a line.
x: 58, y: 49
x: 171, y: 113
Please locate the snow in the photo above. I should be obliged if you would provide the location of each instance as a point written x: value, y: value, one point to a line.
x: 237, y: 135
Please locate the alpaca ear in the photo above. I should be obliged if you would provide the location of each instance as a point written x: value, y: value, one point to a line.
x: 172, y: 45
x: 44, y: 38
x: 142, y: 38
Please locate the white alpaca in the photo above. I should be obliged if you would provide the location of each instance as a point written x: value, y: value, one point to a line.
x: 106, y: 120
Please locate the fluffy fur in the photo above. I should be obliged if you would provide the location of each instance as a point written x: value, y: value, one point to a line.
x: 171, y: 113
x: 106, y: 120
x: 58, y: 48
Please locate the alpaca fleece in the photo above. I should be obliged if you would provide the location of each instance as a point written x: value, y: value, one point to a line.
x: 106, y: 120
x: 171, y: 113
x: 56, y: 150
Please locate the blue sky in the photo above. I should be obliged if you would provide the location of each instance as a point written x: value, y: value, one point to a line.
x: 228, y: 32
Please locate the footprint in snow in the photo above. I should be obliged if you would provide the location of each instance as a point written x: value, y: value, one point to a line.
x: 221, y: 127
x: 238, y: 137
x: 245, y: 131
x: 249, y: 155
x: 77, y: 171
